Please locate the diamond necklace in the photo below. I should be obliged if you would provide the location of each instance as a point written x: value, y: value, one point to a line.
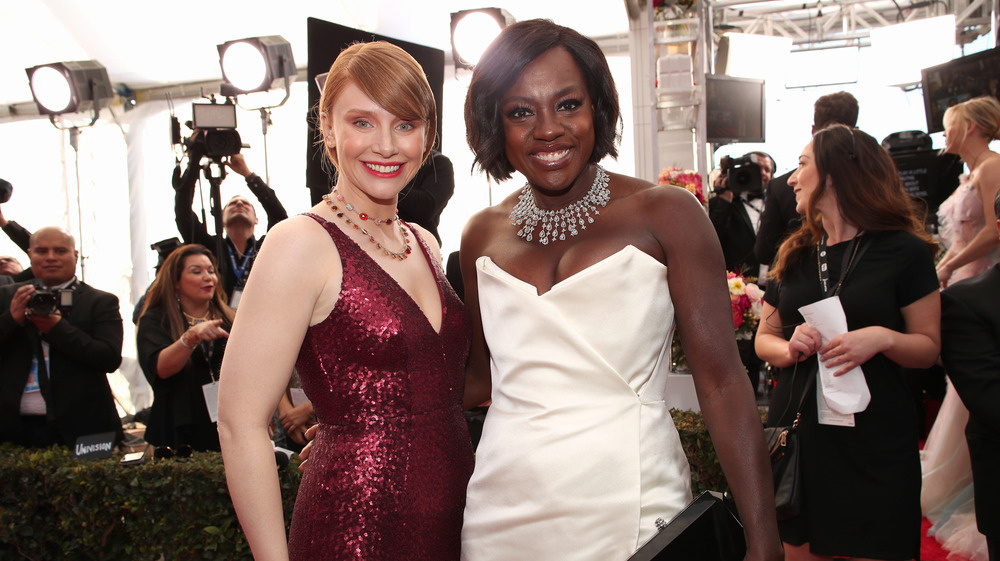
x: 400, y: 255
x: 556, y: 223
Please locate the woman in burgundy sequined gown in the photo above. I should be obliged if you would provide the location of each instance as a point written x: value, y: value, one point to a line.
x: 357, y: 301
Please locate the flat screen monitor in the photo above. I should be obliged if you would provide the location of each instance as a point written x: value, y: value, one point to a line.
x: 928, y: 178
x: 326, y: 40
x: 959, y: 80
x: 734, y: 109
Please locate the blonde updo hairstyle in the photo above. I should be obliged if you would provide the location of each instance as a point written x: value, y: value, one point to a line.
x: 391, y: 78
x: 983, y: 111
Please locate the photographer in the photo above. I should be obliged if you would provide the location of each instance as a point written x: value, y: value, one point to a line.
x: 17, y: 234
x: 736, y: 207
x: 239, y: 219
x: 59, y: 339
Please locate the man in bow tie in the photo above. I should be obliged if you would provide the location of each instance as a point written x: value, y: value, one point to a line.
x: 736, y: 207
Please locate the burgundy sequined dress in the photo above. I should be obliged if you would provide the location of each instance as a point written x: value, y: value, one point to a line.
x: 392, y: 457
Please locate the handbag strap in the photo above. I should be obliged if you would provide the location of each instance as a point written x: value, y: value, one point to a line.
x: 802, y: 399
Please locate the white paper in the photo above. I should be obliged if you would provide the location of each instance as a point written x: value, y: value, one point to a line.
x: 827, y: 416
x: 847, y: 393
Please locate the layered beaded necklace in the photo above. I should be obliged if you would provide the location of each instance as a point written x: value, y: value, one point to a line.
x: 400, y: 255
x: 557, y: 223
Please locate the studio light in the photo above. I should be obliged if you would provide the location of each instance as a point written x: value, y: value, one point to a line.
x: 70, y: 87
x: 255, y: 64
x: 473, y: 30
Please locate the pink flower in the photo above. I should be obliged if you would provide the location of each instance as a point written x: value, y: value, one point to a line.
x: 686, y: 179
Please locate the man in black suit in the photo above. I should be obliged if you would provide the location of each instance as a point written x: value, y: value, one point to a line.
x: 779, y: 217
x: 425, y: 196
x: 970, y: 351
x: 56, y: 356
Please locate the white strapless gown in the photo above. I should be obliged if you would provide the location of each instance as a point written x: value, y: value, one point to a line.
x: 579, y: 454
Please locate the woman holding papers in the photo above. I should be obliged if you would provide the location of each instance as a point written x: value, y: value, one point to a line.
x: 862, y: 246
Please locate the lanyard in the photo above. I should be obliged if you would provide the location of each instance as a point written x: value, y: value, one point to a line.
x: 824, y: 271
x: 207, y: 349
x: 242, y: 269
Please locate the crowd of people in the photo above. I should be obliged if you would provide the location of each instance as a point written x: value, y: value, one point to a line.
x: 343, y: 333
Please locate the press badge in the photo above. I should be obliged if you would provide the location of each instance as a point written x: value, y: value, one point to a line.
x: 211, y: 392
x: 828, y: 416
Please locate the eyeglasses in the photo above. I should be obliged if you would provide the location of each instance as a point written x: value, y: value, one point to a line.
x: 166, y: 452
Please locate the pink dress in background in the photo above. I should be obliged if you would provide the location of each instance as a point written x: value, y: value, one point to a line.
x: 946, y: 497
x: 960, y: 218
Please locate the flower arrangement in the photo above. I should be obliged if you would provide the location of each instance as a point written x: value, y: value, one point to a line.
x: 746, y: 299
x: 684, y: 178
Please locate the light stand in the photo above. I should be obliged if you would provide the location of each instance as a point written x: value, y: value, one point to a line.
x: 72, y: 87
x: 215, y: 202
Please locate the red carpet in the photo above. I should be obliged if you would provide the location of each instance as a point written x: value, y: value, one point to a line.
x: 930, y: 549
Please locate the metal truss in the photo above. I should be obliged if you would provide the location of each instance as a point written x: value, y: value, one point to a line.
x: 821, y: 24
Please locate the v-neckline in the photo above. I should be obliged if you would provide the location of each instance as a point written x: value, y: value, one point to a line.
x: 409, y: 297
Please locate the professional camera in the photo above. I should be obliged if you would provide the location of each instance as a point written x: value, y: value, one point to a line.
x: 6, y: 189
x: 216, y: 124
x: 742, y: 174
x: 48, y: 300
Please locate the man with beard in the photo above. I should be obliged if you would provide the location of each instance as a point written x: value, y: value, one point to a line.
x: 239, y: 220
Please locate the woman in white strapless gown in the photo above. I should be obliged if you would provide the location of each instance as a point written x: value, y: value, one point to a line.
x: 578, y: 437
x: 573, y: 283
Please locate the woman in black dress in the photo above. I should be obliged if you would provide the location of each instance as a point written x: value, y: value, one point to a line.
x: 860, y: 472
x: 181, y: 338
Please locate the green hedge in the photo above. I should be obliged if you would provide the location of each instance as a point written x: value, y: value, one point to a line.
x: 53, y: 506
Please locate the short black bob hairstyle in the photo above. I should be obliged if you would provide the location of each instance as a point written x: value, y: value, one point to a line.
x: 501, y: 65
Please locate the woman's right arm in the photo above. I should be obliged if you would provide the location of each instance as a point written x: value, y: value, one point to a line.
x: 278, y: 305
x: 478, y: 384
x: 771, y: 345
x: 173, y: 358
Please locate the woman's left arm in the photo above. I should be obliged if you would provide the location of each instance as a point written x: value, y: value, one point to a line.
x: 917, y: 347
x: 698, y: 288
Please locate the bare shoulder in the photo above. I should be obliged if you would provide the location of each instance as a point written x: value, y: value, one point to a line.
x: 297, y: 234
x: 428, y: 238
x: 987, y: 175
x: 486, y: 224
x: 665, y: 205
x: 295, y: 246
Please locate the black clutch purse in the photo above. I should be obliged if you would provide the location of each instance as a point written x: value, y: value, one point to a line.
x: 706, y: 530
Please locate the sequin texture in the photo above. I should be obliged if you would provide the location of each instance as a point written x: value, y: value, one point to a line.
x: 392, y: 457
